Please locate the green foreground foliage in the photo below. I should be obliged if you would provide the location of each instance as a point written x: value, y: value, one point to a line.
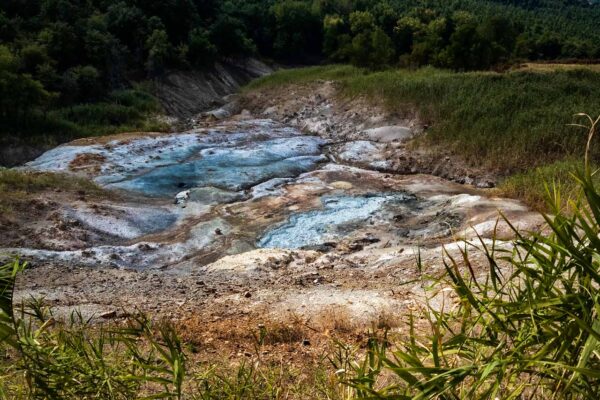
x: 528, y: 327
x: 45, y: 357
x: 75, y: 360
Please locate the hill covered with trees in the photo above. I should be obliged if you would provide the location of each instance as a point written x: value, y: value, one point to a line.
x: 56, y: 54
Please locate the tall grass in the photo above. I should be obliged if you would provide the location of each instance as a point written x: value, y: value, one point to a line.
x: 530, y: 186
x: 509, y: 123
x: 528, y: 328
x: 47, y: 357
x: 75, y: 360
x: 505, y: 122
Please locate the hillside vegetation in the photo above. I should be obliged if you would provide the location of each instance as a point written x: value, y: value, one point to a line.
x: 514, y: 123
x: 59, y: 56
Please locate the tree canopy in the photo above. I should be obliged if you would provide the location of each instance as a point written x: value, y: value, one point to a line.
x: 64, y: 52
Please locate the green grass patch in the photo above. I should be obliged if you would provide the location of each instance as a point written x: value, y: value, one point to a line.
x: 123, y: 111
x: 31, y: 182
x: 534, y: 186
x: 304, y: 75
x: 17, y: 186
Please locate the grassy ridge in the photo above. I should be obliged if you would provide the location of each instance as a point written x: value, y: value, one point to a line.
x: 510, y: 123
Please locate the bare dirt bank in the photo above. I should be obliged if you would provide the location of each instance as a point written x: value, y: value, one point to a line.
x: 186, y: 93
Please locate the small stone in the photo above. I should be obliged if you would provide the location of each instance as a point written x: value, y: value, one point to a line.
x: 485, y: 184
x: 144, y: 247
x: 109, y: 315
x: 88, y: 253
x: 247, y: 295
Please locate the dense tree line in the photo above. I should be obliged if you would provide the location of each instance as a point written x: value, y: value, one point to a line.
x: 55, y: 53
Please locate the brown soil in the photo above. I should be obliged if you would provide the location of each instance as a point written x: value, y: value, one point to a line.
x: 87, y: 162
x: 38, y: 221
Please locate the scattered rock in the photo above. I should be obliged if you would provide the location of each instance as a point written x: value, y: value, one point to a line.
x: 182, y: 197
x: 145, y: 247
x: 109, y: 314
x: 341, y: 185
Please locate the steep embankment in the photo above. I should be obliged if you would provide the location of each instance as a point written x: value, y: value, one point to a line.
x: 181, y: 94
x: 184, y: 94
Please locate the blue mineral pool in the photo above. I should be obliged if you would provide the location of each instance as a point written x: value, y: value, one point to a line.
x: 339, y: 215
x: 231, y: 168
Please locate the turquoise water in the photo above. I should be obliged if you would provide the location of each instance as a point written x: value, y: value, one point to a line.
x: 231, y: 168
x: 338, y: 216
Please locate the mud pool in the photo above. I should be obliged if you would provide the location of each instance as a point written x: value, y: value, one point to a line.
x: 186, y: 200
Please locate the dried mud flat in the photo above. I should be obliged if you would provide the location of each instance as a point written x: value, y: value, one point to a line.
x: 292, y: 211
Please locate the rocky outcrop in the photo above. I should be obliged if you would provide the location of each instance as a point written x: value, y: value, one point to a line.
x: 383, y: 137
x: 186, y: 93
